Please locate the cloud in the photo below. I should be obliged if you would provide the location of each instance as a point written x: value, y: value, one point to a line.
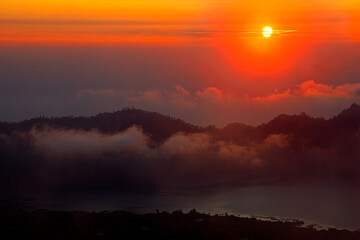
x: 276, y: 140
x: 152, y: 95
x: 213, y: 105
x: 274, y: 96
x: 182, y: 97
x: 179, y: 95
x: 181, y: 91
x: 177, y: 92
x: 148, y: 95
x: 67, y: 143
x: 312, y: 89
x: 58, y: 160
x: 211, y: 92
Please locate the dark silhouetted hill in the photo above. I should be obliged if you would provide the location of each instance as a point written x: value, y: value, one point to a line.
x: 303, y: 129
x: 156, y: 125
x: 349, y: 119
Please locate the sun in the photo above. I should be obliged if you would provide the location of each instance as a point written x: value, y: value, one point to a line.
x: 267, y: 32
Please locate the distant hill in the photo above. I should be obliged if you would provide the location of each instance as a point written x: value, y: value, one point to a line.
x: 285, y: 148
x: 156, y: 125
x: 348, y: 119
x: 303, y: 128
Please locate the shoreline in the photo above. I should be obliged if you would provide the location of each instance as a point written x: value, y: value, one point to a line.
x: 43, y: 224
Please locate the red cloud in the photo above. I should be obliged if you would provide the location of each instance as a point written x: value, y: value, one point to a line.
x: 211, y: 92
x: 312, y: 89
x: 274, y: 96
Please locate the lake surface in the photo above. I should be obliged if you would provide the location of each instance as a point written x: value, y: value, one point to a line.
x: 326, y: 203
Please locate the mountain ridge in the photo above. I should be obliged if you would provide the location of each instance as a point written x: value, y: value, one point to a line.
x: 161, y: 127
x: 59, y: 155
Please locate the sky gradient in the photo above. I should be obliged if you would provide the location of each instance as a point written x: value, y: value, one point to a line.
x: 206, y: 62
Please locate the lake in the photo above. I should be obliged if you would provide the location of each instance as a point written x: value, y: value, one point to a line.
x: 334, y: 204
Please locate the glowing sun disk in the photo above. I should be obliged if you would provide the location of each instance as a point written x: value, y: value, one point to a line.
x: 267, y: 32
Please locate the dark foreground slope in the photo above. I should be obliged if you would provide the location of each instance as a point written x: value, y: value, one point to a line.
x: 42, y: 224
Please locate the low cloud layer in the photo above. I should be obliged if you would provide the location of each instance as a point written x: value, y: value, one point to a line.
x: 55, y: 160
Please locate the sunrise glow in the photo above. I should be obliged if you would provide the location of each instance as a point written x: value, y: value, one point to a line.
x: 267, y: 32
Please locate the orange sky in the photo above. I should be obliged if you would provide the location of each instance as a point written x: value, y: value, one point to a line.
x: 112, y: 21
x: 231, y: 27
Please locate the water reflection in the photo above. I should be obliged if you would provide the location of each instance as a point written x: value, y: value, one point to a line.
x: 326, y: 203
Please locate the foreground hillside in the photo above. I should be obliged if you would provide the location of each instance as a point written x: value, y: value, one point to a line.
x: 42, y: 224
